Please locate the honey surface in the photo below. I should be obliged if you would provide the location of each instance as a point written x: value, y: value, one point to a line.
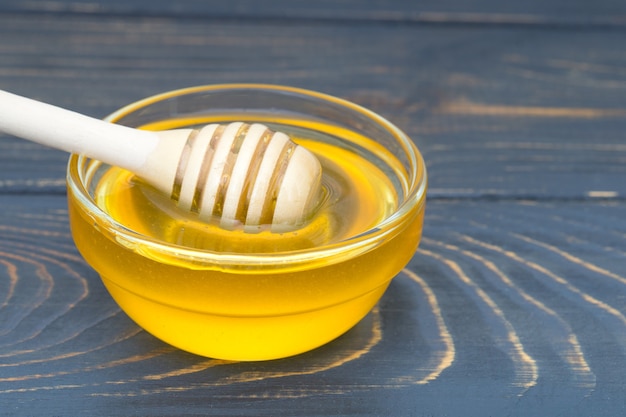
x: 357, y: 195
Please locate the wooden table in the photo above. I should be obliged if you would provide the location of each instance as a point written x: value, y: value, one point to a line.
x: 515, y: 303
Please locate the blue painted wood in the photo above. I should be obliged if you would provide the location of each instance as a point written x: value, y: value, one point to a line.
x: 513, y: 305
x: 532, y: 12
x: 507, y: 308
x: 497, y: 112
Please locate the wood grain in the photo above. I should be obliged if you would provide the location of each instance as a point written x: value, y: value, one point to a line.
x: 506, y: 307
x: 515, y: 303
x: 605, y: 13
x: 498, y: 113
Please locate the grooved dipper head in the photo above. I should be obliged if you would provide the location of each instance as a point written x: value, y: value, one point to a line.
x: 246, y: 175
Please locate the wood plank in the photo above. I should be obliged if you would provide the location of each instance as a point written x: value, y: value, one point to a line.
x: 515, y: 303
x: 498, y: 112
x: 532, y: 12
x: 508, y: 308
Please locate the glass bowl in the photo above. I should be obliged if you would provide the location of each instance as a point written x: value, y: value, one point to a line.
x: 240, y: 296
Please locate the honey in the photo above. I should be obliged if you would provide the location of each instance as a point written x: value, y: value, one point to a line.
x: 232, y: 294
x: 356, y: 196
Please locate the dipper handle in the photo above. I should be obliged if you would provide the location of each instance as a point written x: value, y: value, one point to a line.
x: 75, y: 133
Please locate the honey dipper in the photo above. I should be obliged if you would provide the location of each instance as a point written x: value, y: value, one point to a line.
x: 244, y: 174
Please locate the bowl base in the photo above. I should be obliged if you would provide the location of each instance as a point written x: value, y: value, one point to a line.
x: 243, y: 338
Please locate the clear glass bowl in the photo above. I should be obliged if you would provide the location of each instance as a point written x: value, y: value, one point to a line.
x: 253, y: 304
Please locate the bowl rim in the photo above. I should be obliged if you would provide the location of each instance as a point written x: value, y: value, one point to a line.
x: 200, y: 259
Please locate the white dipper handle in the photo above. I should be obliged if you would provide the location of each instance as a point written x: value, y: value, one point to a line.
x: 75, y: 133
x: 244, y: 174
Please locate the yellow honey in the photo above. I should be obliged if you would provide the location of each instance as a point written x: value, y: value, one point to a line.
x: 250, y: 296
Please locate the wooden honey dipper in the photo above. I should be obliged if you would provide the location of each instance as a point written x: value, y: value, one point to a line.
x: 244, y: 174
